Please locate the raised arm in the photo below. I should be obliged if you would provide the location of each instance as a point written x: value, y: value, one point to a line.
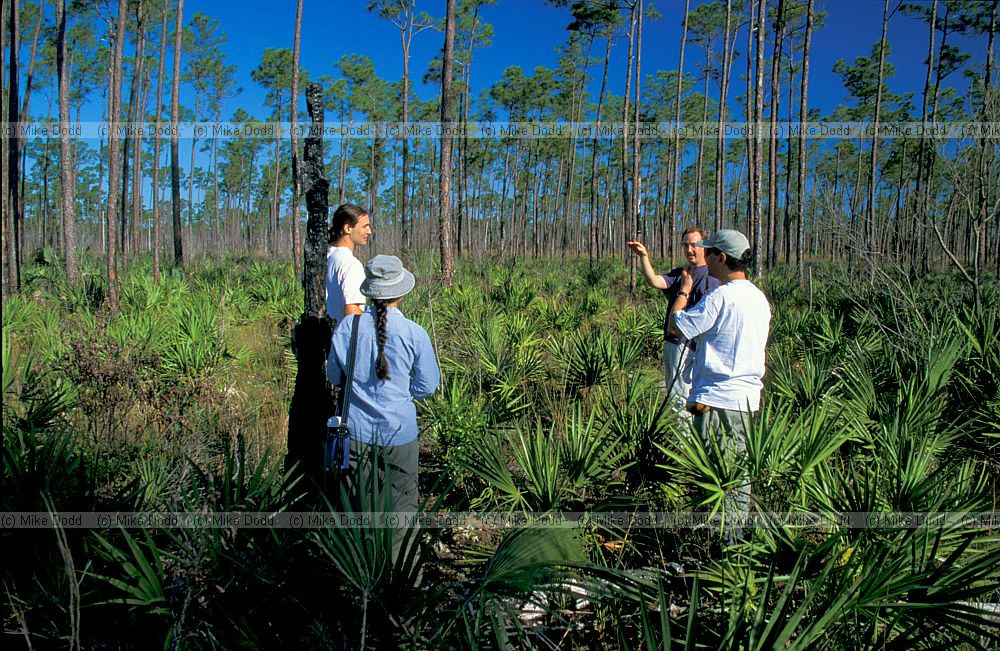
x: 653, y: 279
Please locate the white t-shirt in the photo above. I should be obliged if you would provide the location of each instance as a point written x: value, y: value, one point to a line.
x: 731, y: 325
x: 344, y: 275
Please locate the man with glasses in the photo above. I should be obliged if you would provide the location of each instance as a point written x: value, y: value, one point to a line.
x: 731, y: 327
x: 678, y: 351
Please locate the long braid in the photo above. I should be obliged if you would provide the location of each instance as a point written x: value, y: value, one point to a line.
x: 381, y: 366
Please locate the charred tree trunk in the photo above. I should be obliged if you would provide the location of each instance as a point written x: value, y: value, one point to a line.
x: 311, y: 401
x: 175, y: 157
x: 296, y: 182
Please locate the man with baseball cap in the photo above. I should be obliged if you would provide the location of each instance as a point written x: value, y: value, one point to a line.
x: 731, y: 326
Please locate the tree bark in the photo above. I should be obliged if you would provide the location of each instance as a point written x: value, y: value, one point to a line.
x: 803, y: 146
x: 67, y: 169
x: 985, y: 155
x: 4, y: 142
x: 677, y: 137
x: 752, y: 130
x: 444, y: 197
x: 758, y: 240
x: 628, y: 209
x: 311, y: 402
x: 26, y: 113
x: 636, y: 147
x: 594, y: 208
x: 175, y: 169
x: 296, y: 182
x: 137, y: 160
x: 114, y: 167
x: 772, y: 163
x: 872, y: 230
x: 155, y: 244
x: 134, y: 111
x: 13, y: 210
x: 720, y: 151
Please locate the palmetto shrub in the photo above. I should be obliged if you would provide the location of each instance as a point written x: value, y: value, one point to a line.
x: 454, y: 416
x: 883, y: 399
x: 192, y: 579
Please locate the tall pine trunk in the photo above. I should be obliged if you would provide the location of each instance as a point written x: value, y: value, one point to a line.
x: 594, y: 208
x: 873, y: 233
x: 155, y: 244
x: 444, y: 198
x: 628, y: 208
x: 756, y: 219
x: 12, y: 200
x: 803, y: 150
x: 114, y: 164
x: 677, y: 137
x: 751, y: 133
x: 772, y: 163
x: 67, y: 168
x: 720, y: 150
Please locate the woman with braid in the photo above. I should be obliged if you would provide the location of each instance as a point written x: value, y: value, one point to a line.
x: 394, y: 365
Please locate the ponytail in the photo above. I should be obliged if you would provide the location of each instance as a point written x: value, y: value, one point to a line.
x: 381, y: 366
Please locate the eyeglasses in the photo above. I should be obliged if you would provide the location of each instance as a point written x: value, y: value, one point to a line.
x: 713, y: 251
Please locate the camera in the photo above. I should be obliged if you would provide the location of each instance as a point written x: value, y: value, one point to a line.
x: 338, y: 445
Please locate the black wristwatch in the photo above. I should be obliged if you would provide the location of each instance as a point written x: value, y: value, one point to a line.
x: 684, y: 294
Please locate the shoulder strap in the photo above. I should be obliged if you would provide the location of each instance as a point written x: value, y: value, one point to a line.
x: 348, y: 391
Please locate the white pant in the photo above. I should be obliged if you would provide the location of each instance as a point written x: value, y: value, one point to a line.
x: 678, y: 360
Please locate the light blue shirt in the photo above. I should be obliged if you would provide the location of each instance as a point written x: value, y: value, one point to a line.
x: 731, y: 325
x: 382, y: 411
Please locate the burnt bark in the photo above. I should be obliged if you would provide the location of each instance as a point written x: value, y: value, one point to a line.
x: 311, y: 402
x: 175, y: 169
x: 296, y: 181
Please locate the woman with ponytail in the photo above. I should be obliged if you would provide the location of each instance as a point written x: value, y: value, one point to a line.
x: 394, y: 365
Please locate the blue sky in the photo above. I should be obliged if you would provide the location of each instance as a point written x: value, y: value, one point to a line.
x: 526, y: 33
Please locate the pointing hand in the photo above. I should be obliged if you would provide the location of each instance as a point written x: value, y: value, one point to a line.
x: 638, y: 248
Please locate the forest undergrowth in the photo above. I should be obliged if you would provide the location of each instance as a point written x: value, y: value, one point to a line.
x: 881, y: 396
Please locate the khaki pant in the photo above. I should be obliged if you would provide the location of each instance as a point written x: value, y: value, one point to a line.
x: 678, y: 360
x: 728, y: 429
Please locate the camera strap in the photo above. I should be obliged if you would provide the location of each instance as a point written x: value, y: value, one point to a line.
x: 347, y: 388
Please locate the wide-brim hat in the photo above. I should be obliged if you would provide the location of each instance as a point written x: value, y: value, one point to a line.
x: 385, y: 277
x: 732, y: 243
